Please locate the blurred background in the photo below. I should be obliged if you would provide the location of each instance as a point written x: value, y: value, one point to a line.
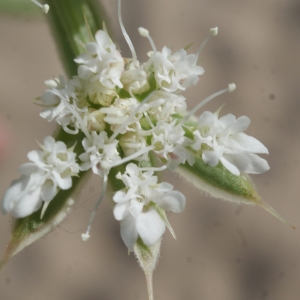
x: 223, y: 251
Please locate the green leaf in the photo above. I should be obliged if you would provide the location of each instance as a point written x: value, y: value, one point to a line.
x: 220, y: 183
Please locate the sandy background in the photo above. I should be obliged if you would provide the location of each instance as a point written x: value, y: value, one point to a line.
x: 222, y: 252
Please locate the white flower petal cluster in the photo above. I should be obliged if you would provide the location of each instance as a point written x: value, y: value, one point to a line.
x: 162, y: 105
x: 99, y: 151
x: 134, y: 79
x: 61, y: 102
x: 176, y: 71
x: 50, y: 169
x: 170, y: 143
x: 138, y: 206
x: 131, y: 112
x: 102, y: 62
x: 224, y: 140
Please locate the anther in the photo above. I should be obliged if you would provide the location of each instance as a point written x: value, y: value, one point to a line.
x: 214, y: 31
x: 145, y: 33
x: 231, y: 87
x: 44, y: 8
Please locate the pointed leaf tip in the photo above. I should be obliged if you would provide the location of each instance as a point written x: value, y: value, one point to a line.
x: 147, y: 257
x: 274, y: 213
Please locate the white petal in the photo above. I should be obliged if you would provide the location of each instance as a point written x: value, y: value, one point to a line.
x: 150, y: 227
x: 27, y: 169
x: 129, y: 232
x: 240, y: 125
x: 91, y: 48
x: 121, y: 211
x: 49, y: 190
x: 19, y: 202
x: 248, y: 162
x: 36, y: 157
x: 102, y: 38
x: 29, y: 204
x: 227, y: 120
x: 49, y: 98
x: 207, y: 118
x: 229, y: 166
x: 210, y: 157
x: 64, y: 183
x: 173, y: 201
x: 120, y: 196
x: 49, y: 142
x: 249, y: 143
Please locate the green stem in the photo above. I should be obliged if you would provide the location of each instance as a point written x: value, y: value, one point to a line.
x: 66, y: 18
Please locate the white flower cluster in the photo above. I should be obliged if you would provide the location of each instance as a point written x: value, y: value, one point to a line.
x: 50, y: 169
x: 130, y: 111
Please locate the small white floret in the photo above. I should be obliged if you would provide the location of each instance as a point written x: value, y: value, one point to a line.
x: 143, y: 31
x: 214, y: 31
x: 231, y: 87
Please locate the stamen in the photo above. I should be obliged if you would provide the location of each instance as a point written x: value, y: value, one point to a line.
x: 76, y: 115
x: 213, y: 32
x: 44, y: 8
x: 231, y: 88
x: 132, y: 156
x: 158, y: 169
x: 85, y: 236
x: 126, y: 36
x: 119, y: 129
x: 145, y: 33
x: 149, y: 120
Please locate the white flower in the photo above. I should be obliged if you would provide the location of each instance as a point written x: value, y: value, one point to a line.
x: 170, y: 143
x: 223, y: 140
x: 50, y: 169
x: 139, y: 206
x: 99, y: 151
x: 102, y: 62
x: 135, y: 79
x: 162, y: 105
x: 98, y: 93
x: 119, y: 111
x: 176, y: 71
x: 61, y: 103
x: 131, y: 142
x: 23, y: 197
